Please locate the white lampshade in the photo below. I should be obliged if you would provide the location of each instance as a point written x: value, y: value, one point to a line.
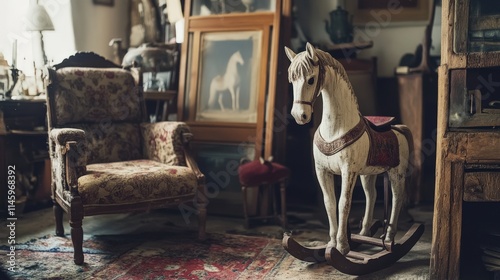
x: 38, y: 19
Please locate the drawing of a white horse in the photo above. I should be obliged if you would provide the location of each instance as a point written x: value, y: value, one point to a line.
x: 342, y: 143
x: 230, y: 81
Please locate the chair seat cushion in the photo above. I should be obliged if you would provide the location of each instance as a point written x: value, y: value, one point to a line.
x: 134, y: 181
x: 255, y: 173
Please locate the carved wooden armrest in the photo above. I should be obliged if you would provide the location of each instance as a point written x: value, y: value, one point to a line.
x: 68, y: 155
x: 190, y: 162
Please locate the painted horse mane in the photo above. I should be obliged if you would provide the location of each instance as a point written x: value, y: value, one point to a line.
x: 301, y: 67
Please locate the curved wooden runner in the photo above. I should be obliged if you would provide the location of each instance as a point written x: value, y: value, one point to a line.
x: 356, y: 263
x: 317, y: 253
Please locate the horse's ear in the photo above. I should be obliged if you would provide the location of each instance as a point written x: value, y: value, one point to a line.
x: 311, y: 52
x: 289, y: 53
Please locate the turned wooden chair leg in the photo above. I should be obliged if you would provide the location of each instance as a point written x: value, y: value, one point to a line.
x: 75, y: 221
x: 77, y: 239
x: 58, y: 215
x: 276, y: 215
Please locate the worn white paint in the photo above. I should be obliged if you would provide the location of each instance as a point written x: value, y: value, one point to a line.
x: 340, y: 114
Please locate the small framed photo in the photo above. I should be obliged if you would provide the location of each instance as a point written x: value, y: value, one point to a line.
x: 104, y: 2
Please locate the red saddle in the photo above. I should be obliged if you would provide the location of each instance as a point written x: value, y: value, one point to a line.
x: 384, y: 148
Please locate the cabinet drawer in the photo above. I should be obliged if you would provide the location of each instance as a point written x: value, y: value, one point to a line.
x: 482, y: 186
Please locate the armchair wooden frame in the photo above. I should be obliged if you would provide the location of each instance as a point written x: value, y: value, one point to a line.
x: 70, y: 148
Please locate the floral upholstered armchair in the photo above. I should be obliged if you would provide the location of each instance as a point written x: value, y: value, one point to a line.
x: 105, y: 159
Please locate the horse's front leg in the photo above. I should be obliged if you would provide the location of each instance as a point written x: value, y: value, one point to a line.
x: 233, y: 97
x: 221, y: 103
x: 237, y: 97
x: 348, y: 181
x: 326, y: 182
x: 368, y: 182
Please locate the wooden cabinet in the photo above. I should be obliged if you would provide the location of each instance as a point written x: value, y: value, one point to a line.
x: 23, y: 147
x: 417, y: 103
x: 468, y: 139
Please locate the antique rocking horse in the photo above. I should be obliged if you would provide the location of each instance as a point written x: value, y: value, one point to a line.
x: 349, y: 145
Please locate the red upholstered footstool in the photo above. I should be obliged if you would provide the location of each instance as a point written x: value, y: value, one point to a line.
x: 264, y: 175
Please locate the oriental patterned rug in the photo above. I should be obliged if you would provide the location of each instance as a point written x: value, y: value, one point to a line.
x: 181, y: 256
x: 149, y: 256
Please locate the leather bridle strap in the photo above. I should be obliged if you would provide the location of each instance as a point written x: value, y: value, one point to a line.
x: 310, y: 103
x: 317, y: 89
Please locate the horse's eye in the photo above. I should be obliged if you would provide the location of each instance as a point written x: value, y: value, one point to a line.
x: 310, y: 81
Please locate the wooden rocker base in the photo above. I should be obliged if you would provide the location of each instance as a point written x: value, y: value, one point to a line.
x: 356, y: 263
x: 317, y: 253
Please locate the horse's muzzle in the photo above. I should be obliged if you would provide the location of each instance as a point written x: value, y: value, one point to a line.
x: 301, y: 114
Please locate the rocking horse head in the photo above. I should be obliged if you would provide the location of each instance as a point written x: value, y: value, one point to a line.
x: 304, y: 74
x: 307, y: 73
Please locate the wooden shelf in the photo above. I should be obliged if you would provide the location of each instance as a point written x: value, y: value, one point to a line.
x: 160, y: 95
x: 27, y: 132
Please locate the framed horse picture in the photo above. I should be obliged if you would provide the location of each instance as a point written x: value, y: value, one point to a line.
x: 225, y: 77
x: 228, y: 83
x: 232, y: 89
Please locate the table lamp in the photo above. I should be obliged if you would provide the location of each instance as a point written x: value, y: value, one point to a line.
x: 38, y: 21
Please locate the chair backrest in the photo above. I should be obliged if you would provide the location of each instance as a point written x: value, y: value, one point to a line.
x: 90, y: 93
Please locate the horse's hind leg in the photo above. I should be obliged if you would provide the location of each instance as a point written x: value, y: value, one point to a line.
x: 368, y: 182
x: 326, y: 182
x: 397, y: 179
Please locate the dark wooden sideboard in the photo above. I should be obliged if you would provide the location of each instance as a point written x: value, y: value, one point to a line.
x: 24, y: 149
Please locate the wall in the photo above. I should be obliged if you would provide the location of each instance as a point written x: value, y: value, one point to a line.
x: 79, y: 26
x: 390, y: 42
x: 95, y: 25
x: 59, y: 43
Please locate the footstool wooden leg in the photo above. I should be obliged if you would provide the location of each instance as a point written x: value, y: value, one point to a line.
x: 283, y: 203
x: 245, y: 206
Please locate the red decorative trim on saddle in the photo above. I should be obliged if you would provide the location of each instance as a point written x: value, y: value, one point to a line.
x: 384, y: 146
x: 379, y: 121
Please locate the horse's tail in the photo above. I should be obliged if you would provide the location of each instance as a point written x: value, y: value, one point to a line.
x: 410, y: 170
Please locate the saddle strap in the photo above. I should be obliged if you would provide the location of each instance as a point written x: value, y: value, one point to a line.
x: 333, y: 147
